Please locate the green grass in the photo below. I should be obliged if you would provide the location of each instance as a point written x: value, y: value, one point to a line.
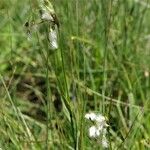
x: 101, y: 65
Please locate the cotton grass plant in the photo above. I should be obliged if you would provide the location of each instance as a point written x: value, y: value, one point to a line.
x: 98, y: 130
x: 82, y: 56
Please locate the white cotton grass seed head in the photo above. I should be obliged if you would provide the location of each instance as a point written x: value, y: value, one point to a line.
x: 100, y: 118
x: 90, y: 116
x: 100, y: 121
x: 104, y: 142
x: 53, y: 39
x: 99, y: 129
x: 45, y: 15
x: 93, y: 132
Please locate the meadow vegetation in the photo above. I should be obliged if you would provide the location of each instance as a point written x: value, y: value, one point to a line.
x: 102, y: 65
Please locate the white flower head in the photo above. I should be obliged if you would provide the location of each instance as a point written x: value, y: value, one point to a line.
x: 101, y: 121
x: 99, y: 129
x: 53, y: 39
x: 46, y: 16
x: 94, y: 132
x: 46, y: 9
x: 100, y: 118
x: 90, y: 116
x: 104, y: 142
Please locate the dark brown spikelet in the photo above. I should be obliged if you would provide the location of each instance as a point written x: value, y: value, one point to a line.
x: 56, y: 21
x: 26, y: 24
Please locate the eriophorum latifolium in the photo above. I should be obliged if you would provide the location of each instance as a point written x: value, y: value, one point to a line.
x: 98, y: 129
x: 45, y: 15
x: 81, y: 81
